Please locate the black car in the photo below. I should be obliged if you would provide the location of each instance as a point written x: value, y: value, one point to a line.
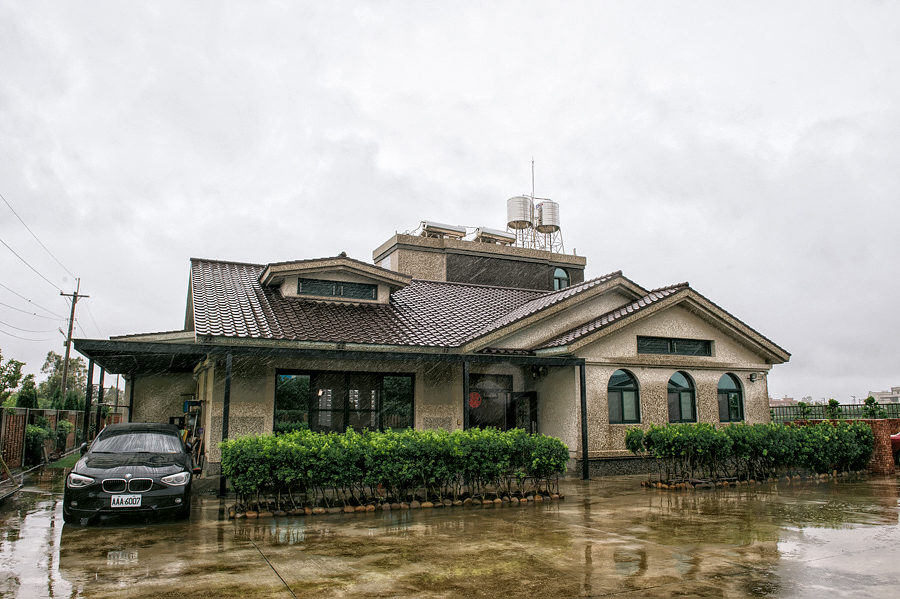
x: 134, y: 468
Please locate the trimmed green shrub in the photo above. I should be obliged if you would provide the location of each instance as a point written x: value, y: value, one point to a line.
x: 314, y: 468
x: 752, y: 451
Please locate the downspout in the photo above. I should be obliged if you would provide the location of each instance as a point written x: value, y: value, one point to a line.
x: 585, y: 466
x: 225, y: 409
x: 131, y: 397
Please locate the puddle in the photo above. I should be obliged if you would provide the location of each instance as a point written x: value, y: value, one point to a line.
x: 609, y: 536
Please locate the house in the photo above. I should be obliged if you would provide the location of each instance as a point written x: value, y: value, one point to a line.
x: 443, y: 332
x: 892, y: 396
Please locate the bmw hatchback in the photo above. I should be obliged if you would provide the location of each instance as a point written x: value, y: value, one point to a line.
x: 134, y: 468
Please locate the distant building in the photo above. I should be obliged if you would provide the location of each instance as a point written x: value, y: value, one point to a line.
x: 784, y: 401
x: 892, y: 396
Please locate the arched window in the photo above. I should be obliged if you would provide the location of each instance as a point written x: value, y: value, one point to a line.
x: 682, y: 399
x: 624, y: 402
x: 560, y: 279
x: 731, y: 399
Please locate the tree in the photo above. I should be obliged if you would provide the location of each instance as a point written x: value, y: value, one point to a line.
x: 74, y: 400
x: 27, y: 397
x: 10, y: 376
x: 53, y: 367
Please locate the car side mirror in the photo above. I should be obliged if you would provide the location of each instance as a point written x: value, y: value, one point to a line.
x: 189, y: 447
x: 83, y: 449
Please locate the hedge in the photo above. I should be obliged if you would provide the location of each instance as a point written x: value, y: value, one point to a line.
x: 752, y: 451
x: 312, y: 468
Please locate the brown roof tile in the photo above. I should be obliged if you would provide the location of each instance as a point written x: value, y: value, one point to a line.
x: 229, y: 301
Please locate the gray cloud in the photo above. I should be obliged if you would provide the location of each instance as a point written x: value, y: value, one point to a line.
x: 748, y: 149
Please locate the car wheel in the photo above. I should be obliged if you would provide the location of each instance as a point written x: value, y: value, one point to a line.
x: 185, y: 512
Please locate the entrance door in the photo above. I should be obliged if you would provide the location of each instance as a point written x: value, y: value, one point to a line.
x: 492, y: 403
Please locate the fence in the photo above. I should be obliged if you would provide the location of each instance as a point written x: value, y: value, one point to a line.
x: 14, y: 424
x: 821, y: 412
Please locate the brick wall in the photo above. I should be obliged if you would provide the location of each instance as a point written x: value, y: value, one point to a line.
x: 13, y: 440
x: 882, y: 461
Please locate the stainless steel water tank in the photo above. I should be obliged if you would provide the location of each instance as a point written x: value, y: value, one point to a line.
x: 546, y: 217
x: 519, y: 212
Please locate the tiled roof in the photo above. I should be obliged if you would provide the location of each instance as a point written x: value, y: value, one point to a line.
x: 543, y: 301
x: 612, y: 316
x: 229, y: 301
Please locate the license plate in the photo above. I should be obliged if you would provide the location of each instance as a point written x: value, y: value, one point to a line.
x: 125, y: 501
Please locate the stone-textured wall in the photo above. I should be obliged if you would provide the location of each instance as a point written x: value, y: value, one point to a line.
x: 156, y: 398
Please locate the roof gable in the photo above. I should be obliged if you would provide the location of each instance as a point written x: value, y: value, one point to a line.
x: 654, y: 302
x: 319, y: 268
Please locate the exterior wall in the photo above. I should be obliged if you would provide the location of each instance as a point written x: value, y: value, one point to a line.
x: 156, y: 398
x: 559, y: 406
x: 652, y: 372
x: 444, y: 259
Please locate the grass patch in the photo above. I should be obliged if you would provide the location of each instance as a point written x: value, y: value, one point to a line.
x: 66, y: 462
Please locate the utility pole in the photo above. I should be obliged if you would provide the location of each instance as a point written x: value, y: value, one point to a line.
x: 65, y: 373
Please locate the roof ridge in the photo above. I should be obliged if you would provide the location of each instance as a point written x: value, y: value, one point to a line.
x: 479, y: 285
x: 667, y: 287
x: 217, y: 261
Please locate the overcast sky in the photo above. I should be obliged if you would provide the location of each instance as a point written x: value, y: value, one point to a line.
x: 748, y: 148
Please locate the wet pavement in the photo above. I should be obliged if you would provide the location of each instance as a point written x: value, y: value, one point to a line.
x: 607, y: 537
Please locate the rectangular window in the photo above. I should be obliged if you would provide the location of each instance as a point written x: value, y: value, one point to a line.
x: 677, y: 347
x: 291, y: 402
x: 623, y: 407
x: 337, y: 289
x: 334, y: 401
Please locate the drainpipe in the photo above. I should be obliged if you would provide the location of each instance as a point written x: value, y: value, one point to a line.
x: 465, y: 396
x: 226, y: 406
x: 585, y: 466
x: 88, y: 395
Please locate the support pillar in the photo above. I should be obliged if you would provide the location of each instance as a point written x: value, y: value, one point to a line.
x: 585, y: 465
x: 465, y: 396
x: 88, y: 396
x: 226, y: 406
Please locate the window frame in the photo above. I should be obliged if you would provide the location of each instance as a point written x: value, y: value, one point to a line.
x: 692, y: 389
x: 344, y: 407
x: 557, y: 279
x: 347, y: 290
x: 739, y: 391
x: 619, y: 390
x: 672, y: 347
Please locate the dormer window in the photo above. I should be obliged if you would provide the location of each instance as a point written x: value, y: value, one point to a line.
x: 342, y: 289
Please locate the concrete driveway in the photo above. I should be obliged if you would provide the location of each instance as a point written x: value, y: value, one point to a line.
x: 608, y: 536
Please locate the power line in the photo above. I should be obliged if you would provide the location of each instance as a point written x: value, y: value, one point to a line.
x: 36, y: 237
x: 26, y: 338
x: 6, y: 324
x: 30, y: 266
x: 30, y: 301
x: 91, y: 314
x: 32, y: 313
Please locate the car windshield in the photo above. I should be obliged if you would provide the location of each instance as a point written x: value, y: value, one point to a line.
x: 137, y: 442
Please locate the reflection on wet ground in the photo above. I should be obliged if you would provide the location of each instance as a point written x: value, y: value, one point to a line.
x: 609, y: 536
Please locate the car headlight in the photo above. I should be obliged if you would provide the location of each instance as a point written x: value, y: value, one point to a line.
x: 77, y: 481
x: 177, y: 480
